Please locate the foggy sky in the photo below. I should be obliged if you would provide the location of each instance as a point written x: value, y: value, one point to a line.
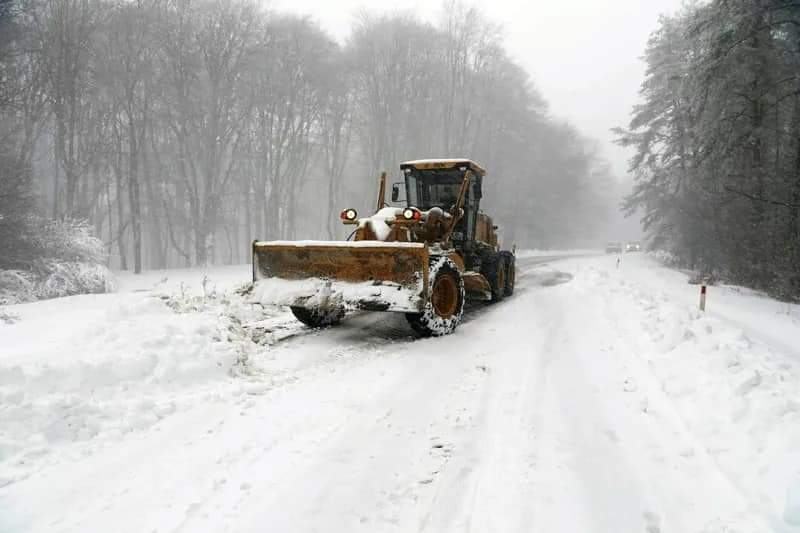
x: 583, y: 55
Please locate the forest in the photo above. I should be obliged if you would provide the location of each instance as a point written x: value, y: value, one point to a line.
x: 717, y: 142
x: 171, y: 133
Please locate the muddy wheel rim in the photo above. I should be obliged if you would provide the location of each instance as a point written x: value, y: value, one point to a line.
x: 511, y: 276
x: 445, y: 296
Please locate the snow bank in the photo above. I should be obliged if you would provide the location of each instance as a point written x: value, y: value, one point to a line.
x: 736, y: 387
x: 94, y: 368
x: 100, y: 379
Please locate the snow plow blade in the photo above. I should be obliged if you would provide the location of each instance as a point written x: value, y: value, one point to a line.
x: 368, y: 275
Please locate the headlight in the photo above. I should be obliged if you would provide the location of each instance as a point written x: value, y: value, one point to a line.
x: 349, y: 214
x: 411, y: 213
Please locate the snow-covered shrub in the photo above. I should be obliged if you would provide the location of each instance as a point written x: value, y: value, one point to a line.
x: 70, y: 241
x: 42, y: 257
x: 68, y: 278
x: 60, y: 258
x: 16, y: 287
x: 665, y: 258
x: 697, y: 273
x: 8, y: 318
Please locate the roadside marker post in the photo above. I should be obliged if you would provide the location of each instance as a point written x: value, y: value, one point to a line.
x: 703, y: 285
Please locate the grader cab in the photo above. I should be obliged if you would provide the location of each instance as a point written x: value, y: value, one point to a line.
x: 422, y: 259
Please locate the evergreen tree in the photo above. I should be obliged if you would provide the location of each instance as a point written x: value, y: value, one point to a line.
x: 717, y: 139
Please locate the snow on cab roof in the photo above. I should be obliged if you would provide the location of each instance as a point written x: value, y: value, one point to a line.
x: 424, y: 164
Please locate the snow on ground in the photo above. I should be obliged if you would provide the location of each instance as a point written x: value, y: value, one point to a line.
x: 596, y: 399
x: 83, y: 368
x: 523, y: 254
x: 191, y: 280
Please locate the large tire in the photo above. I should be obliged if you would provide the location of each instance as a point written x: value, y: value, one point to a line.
x: 318, y: 318
x: 445, y: 300
x: 494, y: 270
x: 511, y: 272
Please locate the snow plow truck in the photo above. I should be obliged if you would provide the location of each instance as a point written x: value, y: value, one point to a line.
x: 423, y: 259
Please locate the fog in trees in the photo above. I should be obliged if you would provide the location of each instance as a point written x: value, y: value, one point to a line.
x: 182, y: 130
x: 717, y: 141
x: 152, y: 134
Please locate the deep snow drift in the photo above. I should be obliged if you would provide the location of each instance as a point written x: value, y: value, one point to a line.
x: 596, y: 399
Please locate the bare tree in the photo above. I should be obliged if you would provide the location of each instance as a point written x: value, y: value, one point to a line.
x: 206, y: 52
x: 66, y: 29
x: 127, y: 64
x: 336, y: 131
x: 184, y: 128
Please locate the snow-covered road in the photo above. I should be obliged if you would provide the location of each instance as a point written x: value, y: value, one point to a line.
x: 596, y: 399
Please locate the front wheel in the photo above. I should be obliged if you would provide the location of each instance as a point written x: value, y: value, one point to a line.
x: 318, y: 318
x: 445, y: 301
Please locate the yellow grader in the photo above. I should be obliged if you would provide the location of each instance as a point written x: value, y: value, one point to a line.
x: 422, y: 260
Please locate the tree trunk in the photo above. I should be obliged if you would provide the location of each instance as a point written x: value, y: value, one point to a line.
x: 123, y: 258
x: 134, y: 195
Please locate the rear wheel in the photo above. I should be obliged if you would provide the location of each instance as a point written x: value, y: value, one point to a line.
x: 494, y: 270
x: 445, y: 304
x: 511, y: 273
x: 318, y: 318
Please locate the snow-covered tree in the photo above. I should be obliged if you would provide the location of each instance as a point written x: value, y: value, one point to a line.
x: 717, y: 140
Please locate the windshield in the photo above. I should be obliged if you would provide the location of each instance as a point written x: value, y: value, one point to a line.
x: 441, y: 195
x: 434, y: 188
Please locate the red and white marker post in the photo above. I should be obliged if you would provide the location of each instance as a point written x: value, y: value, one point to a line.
x: 703, y: 285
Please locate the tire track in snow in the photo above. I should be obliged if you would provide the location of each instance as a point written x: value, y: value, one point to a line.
x: 240, y: 456
x: 447, y: 465
x: 492, y: 484
x: 615, y: 443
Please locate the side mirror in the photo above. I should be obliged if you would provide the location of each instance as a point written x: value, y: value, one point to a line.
x: 395, y: 192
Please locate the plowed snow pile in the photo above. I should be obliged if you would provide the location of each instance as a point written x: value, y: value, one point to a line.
x: 95, y: 368
x: 596, y: 399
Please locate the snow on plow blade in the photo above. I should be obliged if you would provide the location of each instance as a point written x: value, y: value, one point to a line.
x: 369, y: 275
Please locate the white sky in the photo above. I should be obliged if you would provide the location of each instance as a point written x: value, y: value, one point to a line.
x: 583, y: 55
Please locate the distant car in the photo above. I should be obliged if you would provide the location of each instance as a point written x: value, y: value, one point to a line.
x: 614, y: 248
x: 633, y: 247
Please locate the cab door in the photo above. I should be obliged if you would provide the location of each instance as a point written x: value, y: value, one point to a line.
x: 468, y: 223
